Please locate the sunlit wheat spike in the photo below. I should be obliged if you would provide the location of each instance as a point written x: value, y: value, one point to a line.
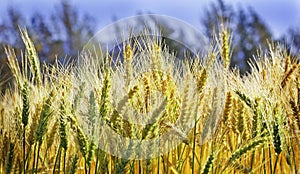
x: 288, y: 75
x: 298, y: 89
x: 254, y: 106
x: 51, y: 135
x: 92, y: 107
x: 82, y: 141
x: 147, y: 94
x: 241, y: 151
x: 90, y: 152
x: 242, y: 120
x: 176, y: 131
x: 77, y: 97
x: 208, y: 163
x: 128, y: 53
x: 5, y: 141
x: 186, y: 109
x: 151, y: 128
x: 63, y: 125
x: 156, y: 57
x: 156, y: 75
x: 211, y: 123
x: 173, y: 100
x: 121, y: 166
x: 234, y: 116
x: 116, y: 121
x: 10, y: 158
x: 225, y: 47
x: 133, y: 91
x: 201, y: 80
x: 33, y: 126
x: 74, y: 164
x: 227, y: 107
x: 18, y: 128
x: 149, y: 167
x: 296, y: 112
x: 32, y: 56
x: 105, y: 94
x: 14, y: 65
x: 92, y: 111
x: 287, y: 64
x: 276, y: 139
x: 256, y: 119
x: 44, y: 117
x: 25, y: 98
x: 244, y: 98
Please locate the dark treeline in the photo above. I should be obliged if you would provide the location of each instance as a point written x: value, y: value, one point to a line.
x: 64, y: 32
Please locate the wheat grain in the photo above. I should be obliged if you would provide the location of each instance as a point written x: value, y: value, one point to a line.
x: 74, y: 164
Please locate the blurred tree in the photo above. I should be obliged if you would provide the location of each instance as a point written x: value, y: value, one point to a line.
x: 292, y: 41
x: 249, y: 32
x: 76, y: 29
x: 61, y: 34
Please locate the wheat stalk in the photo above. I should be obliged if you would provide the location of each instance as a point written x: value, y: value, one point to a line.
x: 25, y: 116
x: 42, y: 128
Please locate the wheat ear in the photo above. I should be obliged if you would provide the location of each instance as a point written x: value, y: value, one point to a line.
x: 128, y: 53
x: 74, y: 164
x: 241, y: 151
x: 288, y: 75
x: 209, y: 163
x: 32, y: 56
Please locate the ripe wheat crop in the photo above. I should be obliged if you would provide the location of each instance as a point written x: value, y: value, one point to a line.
x: 53, y: 117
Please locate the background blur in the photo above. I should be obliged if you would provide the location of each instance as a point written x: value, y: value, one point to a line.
x: 60, y: 28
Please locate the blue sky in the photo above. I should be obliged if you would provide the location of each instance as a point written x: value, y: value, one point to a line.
x: 278, y: 14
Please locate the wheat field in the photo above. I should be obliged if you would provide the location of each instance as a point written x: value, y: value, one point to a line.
x: 52, y: 118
